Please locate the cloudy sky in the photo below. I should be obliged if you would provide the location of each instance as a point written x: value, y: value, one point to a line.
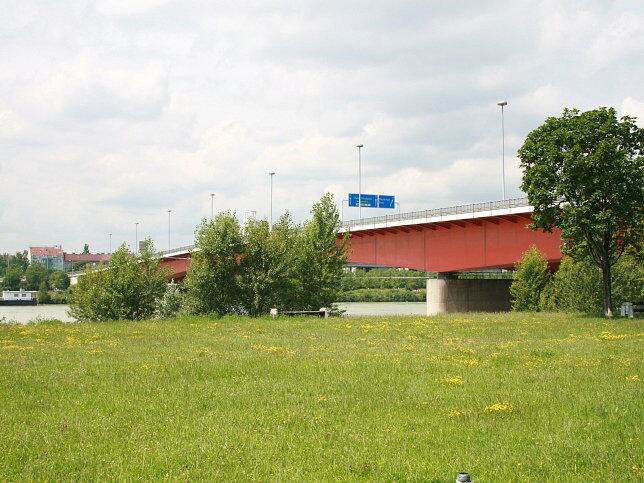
x: 113, y: 112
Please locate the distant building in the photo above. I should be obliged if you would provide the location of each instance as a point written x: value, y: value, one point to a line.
x: 50, y: 257
x: 55, y: 258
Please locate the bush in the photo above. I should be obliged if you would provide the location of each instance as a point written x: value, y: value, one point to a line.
x: 170, y: 304
x: 530, y: 279
x: 128, y: 289
x: 576, y: 287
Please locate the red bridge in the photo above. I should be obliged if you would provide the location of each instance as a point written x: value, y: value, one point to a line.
x: 462, y: 238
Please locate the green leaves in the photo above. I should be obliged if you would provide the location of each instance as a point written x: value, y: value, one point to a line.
x: 584, y: 174
x: 530, y: 279
x: 127, y: 289
x: 251, y: 269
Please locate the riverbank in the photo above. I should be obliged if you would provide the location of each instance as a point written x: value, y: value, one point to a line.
x: 34, y: 313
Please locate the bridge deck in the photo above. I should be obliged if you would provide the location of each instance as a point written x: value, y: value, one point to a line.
x: 459, y: 212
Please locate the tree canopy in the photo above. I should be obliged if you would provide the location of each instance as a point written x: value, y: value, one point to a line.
x: 584, y: 174
x: 128, y: 289
x: 252, y: 269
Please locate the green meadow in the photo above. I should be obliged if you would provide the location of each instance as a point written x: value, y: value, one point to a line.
x: 505, y: 397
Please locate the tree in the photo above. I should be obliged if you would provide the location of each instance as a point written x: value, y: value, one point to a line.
x: 264, y: 270
x: 211, y: 282
x: 35, y: 274
x: 86, y: 249
x: 530, y: 279
x: 59, y: 280
x: 128, y: 289
x: 43, y: 293
x: 584, y: 173
x: 321, y: 257
x: 12, y: 277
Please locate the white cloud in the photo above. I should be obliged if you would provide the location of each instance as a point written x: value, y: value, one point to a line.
x: 113, y: 112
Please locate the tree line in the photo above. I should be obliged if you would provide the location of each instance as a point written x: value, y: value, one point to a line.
x: 235, y: 269
x: 577, y: 284
x: 19, y: 274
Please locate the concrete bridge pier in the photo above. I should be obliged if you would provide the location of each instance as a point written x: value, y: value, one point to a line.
x: 447, y: 294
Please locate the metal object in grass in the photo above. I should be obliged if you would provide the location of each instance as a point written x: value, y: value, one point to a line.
x: 463, y: 477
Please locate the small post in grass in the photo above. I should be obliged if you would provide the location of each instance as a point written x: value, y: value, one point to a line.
x: 463, y: 477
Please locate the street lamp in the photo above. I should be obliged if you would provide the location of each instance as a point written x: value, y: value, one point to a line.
x: 169, y: 211
x: 271, y: 174
x: 136, y: 238
x: 360, y: 146
x: 110, y: 243
x: 212, y: 212
x: 342, y: 210
x: 502, y: 104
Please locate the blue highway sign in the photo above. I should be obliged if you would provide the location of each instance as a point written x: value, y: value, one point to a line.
x: 386, y: 201
x: 372, y: 201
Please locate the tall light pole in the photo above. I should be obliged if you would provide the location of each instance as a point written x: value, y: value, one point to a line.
x: 360, y: 146
x: 169, y: 211
x: 342, y: 210
x: 271, y: 174
x: 502, y: 104
x: 110, y: 243
x: 136, y: 238
x: 212, y: 204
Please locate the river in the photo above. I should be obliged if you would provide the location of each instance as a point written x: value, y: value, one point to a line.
x: 29, y: 313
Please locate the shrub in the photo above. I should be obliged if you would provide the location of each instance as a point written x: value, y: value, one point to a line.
x: 529, y: 281
x: 128, y: 289
x: 170, y: 304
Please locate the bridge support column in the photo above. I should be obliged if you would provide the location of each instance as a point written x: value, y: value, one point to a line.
x: 448, y: 295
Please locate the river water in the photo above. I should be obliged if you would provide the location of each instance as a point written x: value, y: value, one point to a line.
x: 29, y: 313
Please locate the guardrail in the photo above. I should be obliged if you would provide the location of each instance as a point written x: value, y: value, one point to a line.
x: 438, y: 212
x: 186, y: 248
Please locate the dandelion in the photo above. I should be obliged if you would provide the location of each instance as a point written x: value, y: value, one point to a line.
x: 452, y: 381
x: 502, y: 407
x: 455, y: 413
x: 634, y: 378
x: 606, y: 335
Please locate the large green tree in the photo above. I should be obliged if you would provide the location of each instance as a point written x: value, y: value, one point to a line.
x: 321, y: 257
x: 128, y: 289
x: 211, y: 280
x: 584, y: 174
x: 264, y: 269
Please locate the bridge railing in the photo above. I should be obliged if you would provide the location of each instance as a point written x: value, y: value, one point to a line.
x: 186, y: 248
x: 438, y: 212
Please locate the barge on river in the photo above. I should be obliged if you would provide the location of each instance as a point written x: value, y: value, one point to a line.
x: 18, y: 297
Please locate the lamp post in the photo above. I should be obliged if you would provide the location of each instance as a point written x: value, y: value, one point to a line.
x: 110, y: 243
x: 502, y: 104
x: 212, y: 211
x: 360, y: 146
x: 136, y: 238
x: 342, y: 210
x: 169, y: 211
x: 271, y: 174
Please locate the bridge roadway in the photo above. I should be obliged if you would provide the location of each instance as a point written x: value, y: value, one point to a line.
x: 470, y: 237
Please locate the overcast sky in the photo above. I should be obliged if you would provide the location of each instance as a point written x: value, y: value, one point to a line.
x: 113, y: 112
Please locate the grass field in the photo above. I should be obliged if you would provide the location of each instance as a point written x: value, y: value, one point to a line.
x: 507, y: 397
